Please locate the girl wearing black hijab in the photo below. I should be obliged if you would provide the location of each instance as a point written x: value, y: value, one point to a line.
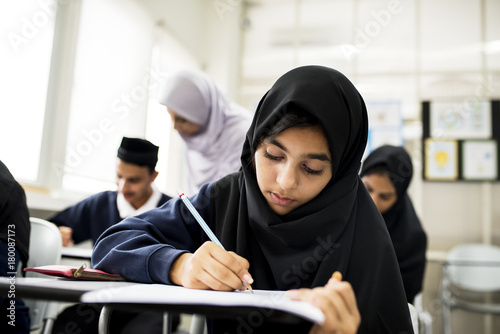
x: 296, y: 212
x: 387, y: 173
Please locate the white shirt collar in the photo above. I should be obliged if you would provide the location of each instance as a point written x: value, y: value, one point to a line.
x: 125, y: 209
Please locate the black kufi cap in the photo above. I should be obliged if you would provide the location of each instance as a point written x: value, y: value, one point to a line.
x: 138, y: 151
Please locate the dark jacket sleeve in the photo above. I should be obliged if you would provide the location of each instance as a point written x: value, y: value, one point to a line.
x: 90, y: 217
x: 77, y: 217
x: 143, y: 248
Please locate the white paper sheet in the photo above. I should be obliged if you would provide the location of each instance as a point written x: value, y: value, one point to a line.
x: 175, y: 295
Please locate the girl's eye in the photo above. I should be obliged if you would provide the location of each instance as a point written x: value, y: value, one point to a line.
x: 313, y: 171
x: 270, y: 156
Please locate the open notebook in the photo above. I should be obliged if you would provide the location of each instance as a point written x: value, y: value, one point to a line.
x: 261, y: 300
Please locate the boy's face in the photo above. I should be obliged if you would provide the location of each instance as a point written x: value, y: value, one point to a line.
x: 293, y: 167
x: 134, y: 182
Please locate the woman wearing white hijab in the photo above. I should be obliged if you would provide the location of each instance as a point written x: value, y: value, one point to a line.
x: 212, y: 127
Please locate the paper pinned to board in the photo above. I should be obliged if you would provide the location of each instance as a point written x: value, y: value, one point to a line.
x: 176, y: 295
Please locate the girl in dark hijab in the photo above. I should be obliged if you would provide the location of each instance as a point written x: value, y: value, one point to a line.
x: 387, y: 173
x: 295, y: 213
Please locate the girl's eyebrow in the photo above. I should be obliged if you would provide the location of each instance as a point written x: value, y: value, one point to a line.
x: 317, y: 156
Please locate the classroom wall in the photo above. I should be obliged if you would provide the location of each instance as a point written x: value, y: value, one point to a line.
x: 184, y: 19
x: 210, y: 30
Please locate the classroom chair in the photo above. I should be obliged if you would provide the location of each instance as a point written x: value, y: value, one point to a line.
x: 414, y: 318
x: 471, y: 281
x: 424, y: 317
x: 45, y: 249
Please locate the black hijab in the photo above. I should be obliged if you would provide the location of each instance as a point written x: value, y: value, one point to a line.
x: 14, y: 214
x: 407, y: 234
x: 304, y: 247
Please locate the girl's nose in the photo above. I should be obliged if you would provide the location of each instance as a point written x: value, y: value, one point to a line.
x: 287, y: 177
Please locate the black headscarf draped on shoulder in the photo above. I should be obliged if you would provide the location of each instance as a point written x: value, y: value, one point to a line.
x: 407, y: 234
x: 340, y: 229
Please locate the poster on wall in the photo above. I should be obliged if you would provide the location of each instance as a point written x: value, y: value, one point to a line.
x: 470, y: 125
x: 386, y: 124
x: 479, y: 160
x: 460, y: 120
x: 441, y: 159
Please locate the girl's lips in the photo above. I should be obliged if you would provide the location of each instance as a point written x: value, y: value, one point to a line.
x: 283, y: 201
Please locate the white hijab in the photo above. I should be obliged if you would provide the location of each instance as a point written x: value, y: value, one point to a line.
x: 215, y: 150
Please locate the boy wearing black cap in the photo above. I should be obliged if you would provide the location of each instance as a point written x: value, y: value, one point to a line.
x: 88, y: 219
x: 135, y: 173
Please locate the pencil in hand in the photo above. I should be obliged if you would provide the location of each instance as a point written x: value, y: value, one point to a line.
x: 248, y: 286
x: 207, y: 229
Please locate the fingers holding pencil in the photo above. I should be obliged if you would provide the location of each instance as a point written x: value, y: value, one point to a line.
x: 246, y: 278
x: 211, y: 267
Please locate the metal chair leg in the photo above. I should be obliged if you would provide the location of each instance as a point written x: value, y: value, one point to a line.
x: 104, y: 319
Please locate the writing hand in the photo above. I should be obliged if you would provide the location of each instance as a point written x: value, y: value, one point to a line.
x: 211, y: 267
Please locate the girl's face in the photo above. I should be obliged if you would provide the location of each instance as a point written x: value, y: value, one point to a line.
x: 293, y: 167
x: 381, y: 190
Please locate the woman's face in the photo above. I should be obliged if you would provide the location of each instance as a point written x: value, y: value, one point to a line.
x: 182, y: 125
x: 293, y: 167
x: 381, y: 190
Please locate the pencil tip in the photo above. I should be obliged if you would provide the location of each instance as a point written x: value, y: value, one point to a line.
x: 337, y: 275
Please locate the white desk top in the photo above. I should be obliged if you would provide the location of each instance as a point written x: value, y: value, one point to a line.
x: 60, y: 289
x: 204, y: 301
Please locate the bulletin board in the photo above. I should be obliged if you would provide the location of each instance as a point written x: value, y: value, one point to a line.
x: 385, y: 121
x: 461, y: 140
